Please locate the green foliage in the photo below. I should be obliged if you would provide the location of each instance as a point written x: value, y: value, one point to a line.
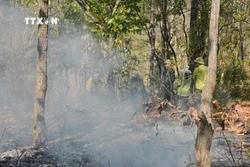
x: 113, y: 22
x: 234, y: 26
x: 234, y: 83
x: 123, y: 21
x: 235, y: 73
x: 127, y: 63
x: 29, y: 2
x: 72, y: 12
x: 178, y: 5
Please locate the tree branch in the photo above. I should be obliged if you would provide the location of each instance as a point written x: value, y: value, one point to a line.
x: 84, y: 9
x: 116, y: 6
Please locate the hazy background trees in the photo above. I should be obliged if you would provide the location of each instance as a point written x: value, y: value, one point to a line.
x: 179, y: 29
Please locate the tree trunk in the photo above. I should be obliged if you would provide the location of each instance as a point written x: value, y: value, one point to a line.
x: 241, y: 52
x: 163, y: 27
x: 165, y: 54
x: 198, y: 30
x: 193, y: 27
x: 152, y: 37
x: 205, y: 127
x: 39, y: 127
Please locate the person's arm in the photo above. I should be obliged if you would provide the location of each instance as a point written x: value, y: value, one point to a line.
x: 180, y: 80
x: 172, y: 76
x: 193, y: 81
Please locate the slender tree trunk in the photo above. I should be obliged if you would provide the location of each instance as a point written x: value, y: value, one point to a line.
x: 193, y: 27
x: 163, y: 7
x: 39, y: 127
x: 184, y: 29
x: 164, y: 44
x: 164, y: 32
x: 198, y: 29
x: 152, y: 37
x: 204, y: 24
x: 241, y: 52
x: 205, y: 127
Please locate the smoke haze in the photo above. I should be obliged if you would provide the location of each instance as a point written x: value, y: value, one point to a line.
x: 76, y: 119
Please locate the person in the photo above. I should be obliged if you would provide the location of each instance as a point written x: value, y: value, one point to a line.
x: 123, y: 88
x: 183, y: 88
x: 94, y: 84
x: 169, y: 81
x: 111, y: 78
x: 200, y: 75
x: 136, y: 86
x: 137, y: 89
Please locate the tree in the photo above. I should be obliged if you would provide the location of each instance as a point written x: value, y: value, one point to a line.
x: 199, y: 20
x: 39, y: 127
x: 205, y: 129
x: 193, y: 21
x: 152, y: 37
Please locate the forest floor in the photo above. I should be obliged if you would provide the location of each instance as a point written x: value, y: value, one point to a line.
x: 101, y: 136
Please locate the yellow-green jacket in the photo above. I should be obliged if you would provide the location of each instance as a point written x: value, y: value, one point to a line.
x: 200, y: 76
x: 184, y: 84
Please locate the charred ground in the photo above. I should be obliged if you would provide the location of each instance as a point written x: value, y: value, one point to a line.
x: 114, y: 135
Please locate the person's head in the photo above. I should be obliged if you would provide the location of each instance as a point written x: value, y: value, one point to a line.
x: 167, y: 63
x: 134, y: 74
x: 185, y: 70
x: 199, y: 61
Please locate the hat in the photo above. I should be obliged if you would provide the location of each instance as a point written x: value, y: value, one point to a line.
x: 134, y: 74
x: 199, y: 60
x: 167, y: 61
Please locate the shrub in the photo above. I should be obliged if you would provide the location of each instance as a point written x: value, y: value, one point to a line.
x: 233, y: 82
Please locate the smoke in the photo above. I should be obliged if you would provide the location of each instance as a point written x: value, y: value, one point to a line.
x: 104, y: 127
x: 17, y: 59
x: 17, y: 76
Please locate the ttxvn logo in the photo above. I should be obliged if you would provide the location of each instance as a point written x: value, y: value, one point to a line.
x: 37, y: 21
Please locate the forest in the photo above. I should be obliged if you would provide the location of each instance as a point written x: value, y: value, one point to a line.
x: 125, y: 83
